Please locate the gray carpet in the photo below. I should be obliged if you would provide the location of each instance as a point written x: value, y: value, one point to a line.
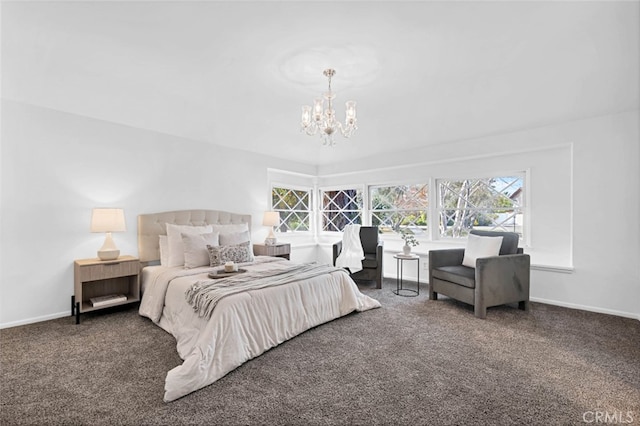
x: 411, y: 362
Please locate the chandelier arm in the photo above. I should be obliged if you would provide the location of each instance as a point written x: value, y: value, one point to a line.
x: 346, y: 130
x: 310, y: 130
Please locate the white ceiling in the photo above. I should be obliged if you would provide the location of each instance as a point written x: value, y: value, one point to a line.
x: 236, y: 74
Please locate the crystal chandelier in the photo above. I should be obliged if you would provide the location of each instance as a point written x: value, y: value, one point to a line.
x: 319, y: 119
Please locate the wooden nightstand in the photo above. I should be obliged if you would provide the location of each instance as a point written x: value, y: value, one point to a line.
x: 276, y: 250
x: 94, y: 278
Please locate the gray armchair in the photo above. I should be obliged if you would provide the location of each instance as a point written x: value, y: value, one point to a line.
x: 372, y: 262
x: 494, y: 281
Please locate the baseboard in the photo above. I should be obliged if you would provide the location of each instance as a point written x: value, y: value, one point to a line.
x: 563, y: 304
x: 587, y: 308
x: 533, y: 299
x: 36, y: 319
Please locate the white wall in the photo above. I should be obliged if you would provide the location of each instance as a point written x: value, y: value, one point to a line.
x: 584, y: 185
x: 56, y: 167
x: 548, y: 212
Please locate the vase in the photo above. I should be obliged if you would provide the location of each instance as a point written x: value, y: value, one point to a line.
x: 406, y: 250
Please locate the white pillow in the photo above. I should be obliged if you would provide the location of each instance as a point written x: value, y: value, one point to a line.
x: 174, y: 238
x: 234, y: 238
x: 478, y: 246
x: 164, y: 250
x: 230, y: 228
x: 195, y: 248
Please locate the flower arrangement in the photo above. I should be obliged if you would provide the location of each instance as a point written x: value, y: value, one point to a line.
x: 408, y: 237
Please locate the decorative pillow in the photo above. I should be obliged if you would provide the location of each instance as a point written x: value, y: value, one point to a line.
x: 195, y: 248
x: 174, y: 237
x: 164, y: 250
x: 230, y: 228
x: 238, y: 253
x: 478, y: 246
x: 234, y: 238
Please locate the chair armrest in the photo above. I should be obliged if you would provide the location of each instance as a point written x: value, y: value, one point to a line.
x: 506, y: 277
x: 379, y: 251
x: 379, y: 257
x: 337, y: 249
x: 448, y: 257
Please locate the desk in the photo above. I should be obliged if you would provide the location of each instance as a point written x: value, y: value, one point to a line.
x: 400, y: 290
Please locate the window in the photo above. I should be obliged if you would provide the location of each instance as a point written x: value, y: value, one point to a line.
x: 399, y: 207
x: 294, y: 206
x: 495, y: 203
x: 339, y: 208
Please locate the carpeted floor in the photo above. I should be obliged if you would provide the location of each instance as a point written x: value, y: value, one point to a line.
x: 412, y: 362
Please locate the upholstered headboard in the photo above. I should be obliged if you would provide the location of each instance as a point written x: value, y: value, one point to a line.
x: 151, y: 226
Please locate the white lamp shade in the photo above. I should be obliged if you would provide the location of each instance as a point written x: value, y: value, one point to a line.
x: 271, y: 219
x: 107, y: 220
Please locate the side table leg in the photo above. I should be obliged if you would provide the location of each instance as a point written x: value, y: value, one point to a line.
x: 73, y: 305
x: 398, y: 276
x: 77, y: 312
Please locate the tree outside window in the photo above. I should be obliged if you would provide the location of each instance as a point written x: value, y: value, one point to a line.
x: 339, y: 208
x: 294, y: 207
x: 400, y: 207
x: 493, y: 204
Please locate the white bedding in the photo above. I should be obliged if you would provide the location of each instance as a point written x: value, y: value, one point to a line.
x: 243, y: 325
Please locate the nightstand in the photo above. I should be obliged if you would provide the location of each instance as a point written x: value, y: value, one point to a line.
x: 276, y: 250
x: 100, y: 284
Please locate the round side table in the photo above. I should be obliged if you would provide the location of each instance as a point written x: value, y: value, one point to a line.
x: 400, y: 290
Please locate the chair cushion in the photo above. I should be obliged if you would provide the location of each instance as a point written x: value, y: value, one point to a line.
x: 460, y: 275
x: 369, y: 261
x: 509, y: 240
x: 479, y: 246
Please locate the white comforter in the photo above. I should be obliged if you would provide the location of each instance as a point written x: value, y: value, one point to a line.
x: 243, y: 325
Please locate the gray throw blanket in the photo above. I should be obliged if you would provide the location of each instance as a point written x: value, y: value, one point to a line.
x: 205, y: 295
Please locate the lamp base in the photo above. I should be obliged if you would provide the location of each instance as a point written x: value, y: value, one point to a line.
x: 108, y: 251
x: 270, y: 241
x: 108, y: 254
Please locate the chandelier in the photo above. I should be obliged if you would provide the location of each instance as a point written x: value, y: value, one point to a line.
x: 323, y: 120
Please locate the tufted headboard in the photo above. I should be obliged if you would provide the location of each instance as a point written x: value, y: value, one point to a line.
x: 151, y: 226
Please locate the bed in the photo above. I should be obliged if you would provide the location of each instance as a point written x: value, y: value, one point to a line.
x: 242, y: 324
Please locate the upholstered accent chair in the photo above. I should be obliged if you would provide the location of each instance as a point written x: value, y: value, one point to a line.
x: 372, y: 262
x: 495, y: 280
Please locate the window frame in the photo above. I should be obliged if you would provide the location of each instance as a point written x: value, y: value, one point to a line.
x: 320, y: 208
x: 395, y: 235
x: 524, y: 208
x: 432, y: 234
x: 311, y: 212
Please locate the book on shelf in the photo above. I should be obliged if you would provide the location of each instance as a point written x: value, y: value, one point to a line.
x: 107, y: 299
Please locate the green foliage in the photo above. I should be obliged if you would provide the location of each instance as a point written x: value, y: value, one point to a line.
x: 408, y: 237
x: 393, y: 207
x: 293, y: 206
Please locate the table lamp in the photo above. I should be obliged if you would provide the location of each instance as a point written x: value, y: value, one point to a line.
x: 108, y: 221
x: 271, y: 219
